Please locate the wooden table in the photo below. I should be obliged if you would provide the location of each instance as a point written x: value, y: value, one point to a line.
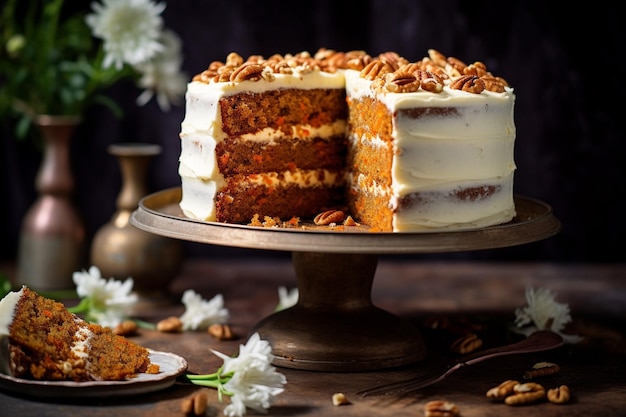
x: 476, y: 294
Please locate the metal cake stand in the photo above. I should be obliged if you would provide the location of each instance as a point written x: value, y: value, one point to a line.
x: 334, y: 326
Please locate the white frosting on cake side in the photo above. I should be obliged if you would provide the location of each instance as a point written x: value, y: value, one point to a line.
x: 7, y: 310
x: 446, y: 142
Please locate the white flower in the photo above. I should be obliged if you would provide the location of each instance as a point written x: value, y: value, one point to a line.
x: 109, y: 300
x: 200, y: 313
x: 286, y: 298
x: 543, y: 312
x: 255, y: 383
x: 162, y: 74
x: 130, y: 30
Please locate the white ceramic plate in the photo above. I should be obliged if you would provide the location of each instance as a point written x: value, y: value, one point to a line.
x: 171, y: 366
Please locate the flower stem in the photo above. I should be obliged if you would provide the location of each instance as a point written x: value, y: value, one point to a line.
x: 82, y: 307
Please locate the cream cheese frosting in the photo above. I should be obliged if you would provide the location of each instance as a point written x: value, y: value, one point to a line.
x: 470, y: 144
x: 7, y: 310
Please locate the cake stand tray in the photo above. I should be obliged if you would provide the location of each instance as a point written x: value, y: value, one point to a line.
x: 334, y: 326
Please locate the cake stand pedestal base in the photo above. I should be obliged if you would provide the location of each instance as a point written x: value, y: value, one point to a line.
x: 334, y: 326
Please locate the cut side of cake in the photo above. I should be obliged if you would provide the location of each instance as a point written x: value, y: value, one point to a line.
x: 47, y: 342
x: 266, y: 143
x: 402, y: 146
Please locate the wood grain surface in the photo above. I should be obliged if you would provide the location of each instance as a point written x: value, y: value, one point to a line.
x: 477, y: 296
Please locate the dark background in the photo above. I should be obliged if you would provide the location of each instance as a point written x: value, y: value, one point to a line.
x: 565, y: 64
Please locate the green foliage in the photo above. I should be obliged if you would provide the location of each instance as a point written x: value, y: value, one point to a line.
x: 5, y: 285
x: 50, y: 63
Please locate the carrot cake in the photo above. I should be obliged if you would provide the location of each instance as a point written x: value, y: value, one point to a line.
x: 402, y: 146
x: 47, y: 342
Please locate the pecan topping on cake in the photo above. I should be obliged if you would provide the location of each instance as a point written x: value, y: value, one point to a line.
x: 247, y: 71
x: 393, y: 59
x: 401, y: 82
x: 468, y: 83
x: 428, y: 74
x: 376, y: 69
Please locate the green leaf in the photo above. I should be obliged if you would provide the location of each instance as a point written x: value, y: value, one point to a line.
x: 5, y: 285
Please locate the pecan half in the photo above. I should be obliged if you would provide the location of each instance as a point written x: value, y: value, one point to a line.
x: 559, y: 395
x: 503, y: 390
x: 468, y: 83
x: 170, y: 325
x: 466, y: 344
x: 437, y: 57
x: 221, y: 331
x: 376, y: 69
x: 401, y: 82
x: 126, y: 328
x: 195, y: 404
x: 542, y: 369
x: 248, y: 71
x: 440, y: 408
x: 529, y: 392
x: 328, y: 217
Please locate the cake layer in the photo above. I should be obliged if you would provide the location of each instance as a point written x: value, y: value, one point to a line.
x: 285, y: 195
x: 252, y: 157
x: 249, y: 113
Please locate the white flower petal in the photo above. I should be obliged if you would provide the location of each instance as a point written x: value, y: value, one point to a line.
x: 162, y: 75
x: 130, y: 30
x: 543, y: 312
x: 199, y: 313
x: 111, y: 299
x: 287, y: 298
x: 255, y: 382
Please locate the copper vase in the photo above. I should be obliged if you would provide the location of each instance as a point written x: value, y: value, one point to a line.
x: 52, y: 236
x: 119, y: 249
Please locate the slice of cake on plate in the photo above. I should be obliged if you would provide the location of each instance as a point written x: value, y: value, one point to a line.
x: 47, y: 342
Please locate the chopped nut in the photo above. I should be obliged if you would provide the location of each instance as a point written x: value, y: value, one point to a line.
x: 195, y: 404
x: 527, y: 393
x: 349, y: 221
x: 340, y: 398
x: 542, y: 369
x: 221, y: 331
x: 503, y: 390
x: 439, y: 408
x: 170, y: 325
x: 126, y: 328
x: 328, y: 217
x: 559, y: 395
x: 466, y: 344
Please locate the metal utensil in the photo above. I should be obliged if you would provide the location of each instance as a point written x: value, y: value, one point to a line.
x: 538, y: 341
